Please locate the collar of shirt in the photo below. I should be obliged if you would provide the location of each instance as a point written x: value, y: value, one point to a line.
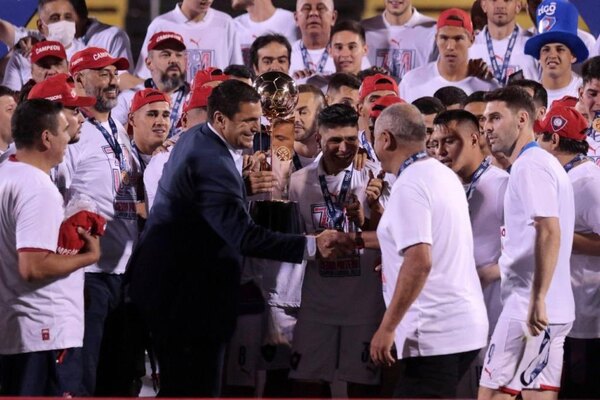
x: 180, y: 16
x: 413, y: 21
x: 237, y: 155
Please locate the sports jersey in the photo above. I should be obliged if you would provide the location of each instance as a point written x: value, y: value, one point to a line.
x: 538, y: 187
x: 212, y: 42
x: 519, y: 61
x: 330, y: 288
x: 43, y: 314
x: 584, y: 268
x: 486, y: 208
x: 572, y: 89
x: 428, y: 205
x: 426, y: 80
x: 401, y: 48
x: 281, y: 22
x: 95, y: 171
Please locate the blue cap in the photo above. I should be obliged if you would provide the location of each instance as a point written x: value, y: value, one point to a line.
x: 557, y: 23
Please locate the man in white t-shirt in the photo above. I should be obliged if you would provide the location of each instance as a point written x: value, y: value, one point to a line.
x: 526, y: 348
x: 435, y: 310
x: 557, y: 47
x: 167, y: 64
x: 209, y: 35
x: 589, y: 101
x: 456, y: 140
x: 400, y: 39
x: 567, y: 142
x: 262, y: 18
x: 501, y: 43
x: 41, y: 296
x: 7, y: 108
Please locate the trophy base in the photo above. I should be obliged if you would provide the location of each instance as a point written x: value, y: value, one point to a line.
x: 278, y: 216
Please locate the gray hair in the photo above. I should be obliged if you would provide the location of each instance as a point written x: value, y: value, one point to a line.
x: 404, y: 121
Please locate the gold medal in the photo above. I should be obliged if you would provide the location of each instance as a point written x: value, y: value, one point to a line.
x: 596, y: 124
x: 125, y: 177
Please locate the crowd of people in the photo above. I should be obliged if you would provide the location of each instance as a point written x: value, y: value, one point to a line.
x: 437, y: 181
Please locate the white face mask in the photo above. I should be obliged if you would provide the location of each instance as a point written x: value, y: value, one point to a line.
x: 62, y: 31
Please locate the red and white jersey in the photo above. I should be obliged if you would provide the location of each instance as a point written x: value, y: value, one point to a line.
x: 281, y: 22
x: 538, y: 186
x: 401, y: 48
x: 346, y: 291
x: 212, y: 42
x: 428, y: 205
x: 519, y: 61
x: 95, y: 171
x: 39, y: 315
x: 426, y: 80
x: 585, y: 273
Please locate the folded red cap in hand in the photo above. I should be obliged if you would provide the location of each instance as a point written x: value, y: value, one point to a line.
x: 69, y: 240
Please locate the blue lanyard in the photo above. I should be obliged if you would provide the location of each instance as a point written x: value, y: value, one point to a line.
x: 579, y: 157
x: 336, y: 216
x: 476, y: 175
x: 135, y: 149
x: 411, y: 160
x: 306, y: 58
x: 297, y: 164
x: 367, y: 146
x: 500, y: 74
x: 112, y: 140
x: 527, y: 147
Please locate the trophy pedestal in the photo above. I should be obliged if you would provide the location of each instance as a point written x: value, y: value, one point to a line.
x: 279, y: 216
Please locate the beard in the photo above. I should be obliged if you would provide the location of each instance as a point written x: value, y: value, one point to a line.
x: 172, y: 82
x: 103, y: 105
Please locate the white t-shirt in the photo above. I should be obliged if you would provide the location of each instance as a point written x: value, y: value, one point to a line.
x: 572, y: 89
x: 212, y: 42
x: 40, y: 315
x: 428, y: 205
x: 152, y: 175
x: 330, y: 288
x: 426, y: 80
x: 281, y: 22
x: 401, y: 48
x: 585, y: 273
x: 94, y: 170
x: 518, y: 59
x: 538, y: 187
x: 486, y: 207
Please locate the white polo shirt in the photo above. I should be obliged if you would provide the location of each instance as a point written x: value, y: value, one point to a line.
x: 428, y: 205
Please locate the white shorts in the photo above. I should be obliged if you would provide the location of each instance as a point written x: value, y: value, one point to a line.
x: 319, y: 350
x: 515, y: 360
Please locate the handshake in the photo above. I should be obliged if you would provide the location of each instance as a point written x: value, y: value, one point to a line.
x: 332, y: 244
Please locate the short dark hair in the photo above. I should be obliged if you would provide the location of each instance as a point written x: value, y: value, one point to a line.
x: 340, y: 79
x: 337, y: 116
x: 316, y: 92
x: 450, y: 95
x: 263, y: 41
x: 540, y: 95
x: 79, y: 5
x: 31, y: 118
x: 366, y: 73
x: 475, y: 97
x: 516, y: 98
x: 6, y: 91
x: 590, y: 69
x: 227, y: 97
x: 239, y: 71
x: 428, y: 105
x: 567, y: 145
x: 25, y: 89
x: 459, y: 116
x: 350, y: 26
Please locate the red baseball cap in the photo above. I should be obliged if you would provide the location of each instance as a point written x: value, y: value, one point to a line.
x: 147, y: 96
x: 382, y: 103
x: 166, y: 40
x: 565, y: 101
x: 47, y: 48
x: 95, y: 58
x: 455, y: 17
x: 377, y: 82
x: 210, y: 74
x: 565, y: 121
x: 198, y: 98
x: 60, y: 88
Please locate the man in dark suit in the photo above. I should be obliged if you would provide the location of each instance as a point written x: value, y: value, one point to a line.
x: 185, y: 270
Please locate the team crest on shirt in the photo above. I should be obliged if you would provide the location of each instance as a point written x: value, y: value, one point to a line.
x: 558, y: 123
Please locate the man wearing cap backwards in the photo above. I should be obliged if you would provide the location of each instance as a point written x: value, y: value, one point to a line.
x: 501, y: 42
x: 557, y: 47
x: 209, y: 35
x: 435, y: 311
x: 563, y: 134
x: 166, y: 61
x: 41, y: 296
x: 525, y: 354
x: 103, y: 166
x: 455, y: 140
x: 400, y: 39
x: 453, y: 39
x: 7, y: 108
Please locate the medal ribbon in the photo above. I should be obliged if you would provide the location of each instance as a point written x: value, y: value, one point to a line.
x: 111, y: 139
x: 579, y: 157
x: 476, y: 175
x: 334, y: 210
x: 500, y: 74
x: 411, y: 160
x: 367, y: 146
x: 306, y: 59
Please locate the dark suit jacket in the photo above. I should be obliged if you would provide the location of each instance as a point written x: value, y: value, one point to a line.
x: 184, y: 273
